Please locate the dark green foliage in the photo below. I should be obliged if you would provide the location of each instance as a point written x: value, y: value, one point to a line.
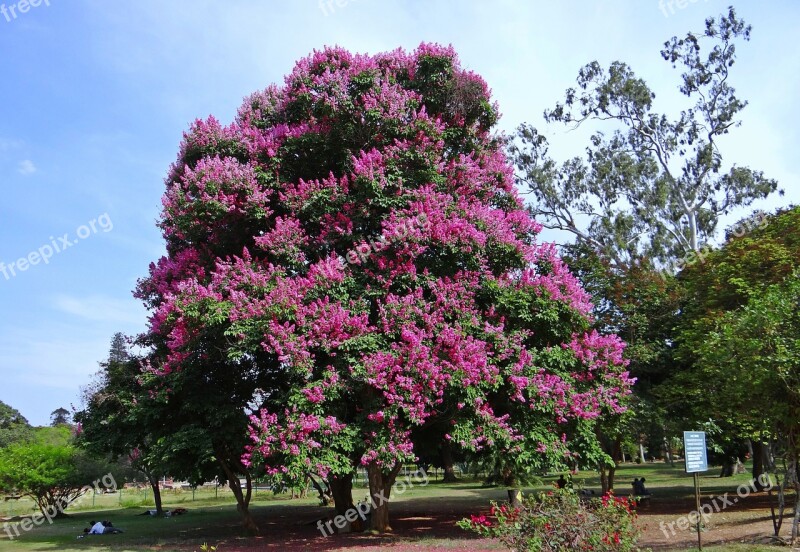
x: 13, y: 426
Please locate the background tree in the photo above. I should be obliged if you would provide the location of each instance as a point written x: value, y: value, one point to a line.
x: 132, y: 420
x: 655, y: 186
x: 50, y: 470
x: 728, y: 279
x: 60, y: 416
x: 198, y: 418
x: 433, y: 450
x: 118, y: 416
x: 649, y: 193
x: 118, y: 352
x: 13, y: 426
x: 350, y: 260
x: 753, y: 354
x: 639, y: 305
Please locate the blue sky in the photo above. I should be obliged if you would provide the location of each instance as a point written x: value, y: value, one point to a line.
x: 95, y: 96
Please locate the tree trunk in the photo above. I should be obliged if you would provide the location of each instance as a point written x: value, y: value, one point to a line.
x: 508, y: 477
x: 447, y: 462
x: 641, y: 453
x: 617, y: 455
x: 771, y: 449
x: 156, y: 494
x: 341, y: 488
x: 604, y: 478
x: 607, y: 475
x: 324, y: 493
x: 380, y: 488
x: 50, y: 501
x: 729, y: 466
x: 759, y: 457
x: 510, y: 480
x: 668, y: 452
x: 777, y: 518
x: 242, y: 499
x: 796, y: 521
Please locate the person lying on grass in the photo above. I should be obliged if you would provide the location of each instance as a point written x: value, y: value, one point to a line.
x: 102, y: 528
x: 168, y: 513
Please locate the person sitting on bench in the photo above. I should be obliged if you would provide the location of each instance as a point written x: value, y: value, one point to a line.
x: 639, y: 489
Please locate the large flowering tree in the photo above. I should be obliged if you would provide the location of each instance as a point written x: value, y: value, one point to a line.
x: 354, y: 242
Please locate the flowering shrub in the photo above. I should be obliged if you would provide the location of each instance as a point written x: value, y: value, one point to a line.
x: 559, y: 521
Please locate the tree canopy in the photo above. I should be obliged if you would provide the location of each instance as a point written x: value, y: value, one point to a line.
x: 740, y: 275
x: 13, y: 425
x: 51, y: 470
x: 60, y: 416
x: 350, y: 260
x: 655, y: 186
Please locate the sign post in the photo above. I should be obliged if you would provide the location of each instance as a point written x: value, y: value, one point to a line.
x: 696, y: 458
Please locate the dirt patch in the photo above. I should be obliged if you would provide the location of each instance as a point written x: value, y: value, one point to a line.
x: 735, y: 520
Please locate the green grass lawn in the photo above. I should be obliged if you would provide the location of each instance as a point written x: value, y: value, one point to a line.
x: 139, y: 498
x: 663, y: 479
x: 213, y: 518
x: 141, y: 532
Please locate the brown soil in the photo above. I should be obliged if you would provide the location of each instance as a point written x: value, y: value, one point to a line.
x: 742, y: 520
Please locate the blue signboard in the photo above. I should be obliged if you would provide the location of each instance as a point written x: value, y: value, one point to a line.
x: 694, y: 445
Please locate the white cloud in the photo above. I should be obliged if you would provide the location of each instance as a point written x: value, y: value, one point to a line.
x: 59, y: 363
x: 99, y: 308
x: 6, y: 144
x: 26, y: 167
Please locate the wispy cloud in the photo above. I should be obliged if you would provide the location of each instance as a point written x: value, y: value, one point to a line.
x: 63, y: 364
x: 6, y: 144
x: 26, y: 167
x: 100, y: 308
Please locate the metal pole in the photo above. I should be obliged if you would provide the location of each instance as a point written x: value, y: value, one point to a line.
x: 697, y: 501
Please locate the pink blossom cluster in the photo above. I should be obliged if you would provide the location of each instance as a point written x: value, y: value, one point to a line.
x: 296, y: 436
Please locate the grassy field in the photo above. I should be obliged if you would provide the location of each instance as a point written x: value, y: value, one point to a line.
x: 425, y: 514
x: 138, y: 498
